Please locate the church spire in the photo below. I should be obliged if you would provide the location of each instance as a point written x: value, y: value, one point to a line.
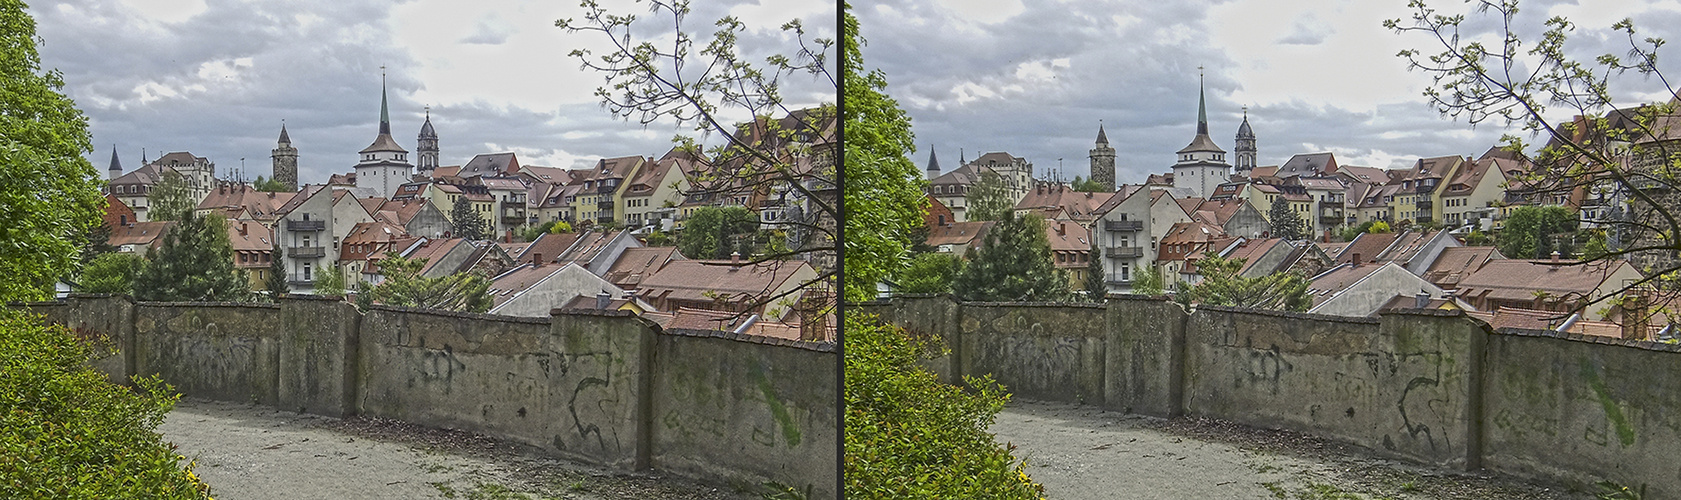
x: 1101, y: 137
x: 1202, y: 106
x: 116, y: 167
x: 384, y: 110
x: 283, y: 138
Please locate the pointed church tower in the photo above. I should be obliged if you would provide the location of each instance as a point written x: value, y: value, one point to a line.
x: 1103, y: 161
x: 426, y: 147
x: 933, y: 163
x: 1202, y: 165
x: 285, y: 161
x: 116, y: 169
x: 1245, y: 147
x: 384, y: 165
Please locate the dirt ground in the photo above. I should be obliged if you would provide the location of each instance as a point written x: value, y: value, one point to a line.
x: 251, y: 452
x: 1082, y: 452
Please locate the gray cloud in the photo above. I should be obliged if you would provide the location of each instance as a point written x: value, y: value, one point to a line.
x: 1137, y: 74
x: 220, y: 84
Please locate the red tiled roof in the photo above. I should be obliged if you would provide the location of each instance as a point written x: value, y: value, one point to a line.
x: 1455, y: 263
x: 1518, y: 279
x: 636, y: 264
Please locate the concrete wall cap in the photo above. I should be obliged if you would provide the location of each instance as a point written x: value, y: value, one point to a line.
x: 755, y: 339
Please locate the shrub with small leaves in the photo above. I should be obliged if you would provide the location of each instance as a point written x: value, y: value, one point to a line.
x: 67, y: 432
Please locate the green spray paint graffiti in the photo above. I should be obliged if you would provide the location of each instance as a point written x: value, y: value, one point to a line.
x: 1613, y: 412
x: 790, y: 431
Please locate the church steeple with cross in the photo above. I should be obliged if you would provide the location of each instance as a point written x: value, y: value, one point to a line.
x: 383, y: 165
x: 1201, y: 166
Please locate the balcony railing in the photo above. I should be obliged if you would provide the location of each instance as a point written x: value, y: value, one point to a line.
x: 1123, y: 252
x: 306, y: 252
x: 1123, y: 225
x: 1424, y: 204
x: 306, y: 225
x: 1118, y: 281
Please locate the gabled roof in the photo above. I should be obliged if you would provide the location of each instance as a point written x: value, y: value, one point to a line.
x: 256, y: 237
x: 1519, y: 279
x: 1251, y: 250
x: 140, y: 233
x: 403, y: 210
x: 429, y: 250
x: 146, y: 175
x: 1368, y: 246
x: 549, y: 175
x: 1455, y: 263
x: 1334, y: 281
x: 636, y: 264
x: 702, y: 280
x: 298, y: 199
x: 1409, y: 244
x: 1308, y: 164
x: 550, y: 245
x: 1368, y: 175
x: 1078, y: 205
x: 1067, y: 236
x: 959, y: 233
x: 261, y: 205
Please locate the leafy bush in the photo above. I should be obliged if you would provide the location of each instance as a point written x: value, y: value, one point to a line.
x: 112, y: 273
x: 66, y: 432
x: 910, y: 436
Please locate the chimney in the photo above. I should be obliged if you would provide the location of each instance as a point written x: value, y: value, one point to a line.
x: 1634, y: 317
x: 1356, y: 260
x: 537, y: 260
x: 1061, y: 229
x: 603, y: 299
x: 1555, y: 255
x: 1422, y: 300
x: 508, y: 238
x: 735, y: 258
x: 242, y: 229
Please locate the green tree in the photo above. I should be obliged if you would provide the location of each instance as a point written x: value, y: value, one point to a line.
x: 1096, y: 289
x: 908, y: 435
x: 884, y: 198
x: 1285, y: 222
x: 1476, y: 238
x: 1221, y: 285
x: 691, y: 81
x: 51, y: 199
x: 1088, y: 185
x: 1529, y: 231
x: 276, y: 282
x: 330, y: 282
x: 195, y: 263
x: 269, y: 185
x: 716, y: 232
x: 466, y: 222
x: 989, y: 198
x: 1530, y: 85
x: 657, y: 238
x: 112, y: 273
x: 404, y: 286
x: 1148, y: 281
x: 1014, y: 264
x: 930, y: 273
x: 170, y: 198
x: 69, y: 433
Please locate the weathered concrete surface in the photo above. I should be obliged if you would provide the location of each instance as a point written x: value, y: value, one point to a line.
x: 1433, y: 387
x: 317, y: 345
x: 229, y: 352
x: 722, y: 407
x: 1401, y: 387
x: 578, y: 384
x: 935, y: 315
x: 107, y: 320
x: 1145, y: 357
x: 1584, y: 411
x: 1044, y: 352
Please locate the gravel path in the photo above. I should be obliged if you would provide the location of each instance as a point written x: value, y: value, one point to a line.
x: 1081, y: 452
x: 247, y: 451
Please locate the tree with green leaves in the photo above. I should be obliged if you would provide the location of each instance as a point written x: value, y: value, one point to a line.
x: 330, y: 282
x: 929, y: 273
x: 1222, y: 285
x: 1014, y: 264
x: 276, y: 283
x: 171, y: 198
x: 884, y: 198
x: 1286, y: 223
x: 404, y: 286
x: 195, y: 264
x: 1088, y: 185
x: 908, y: 435
x: 716, y: 232
x: 466, y: 223
x: 684, y: 80
x: 270, y: 185
x: 989, y: 198
x: 1096, y: 289
x: 1621, y: 149
x: 111, y: 273
x: 1530, y: 230
x: 51, y: 199
x: 1148, y: 281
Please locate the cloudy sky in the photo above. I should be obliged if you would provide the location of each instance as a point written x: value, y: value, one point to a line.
x: 1035, y: 77
x: 216, y: 78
